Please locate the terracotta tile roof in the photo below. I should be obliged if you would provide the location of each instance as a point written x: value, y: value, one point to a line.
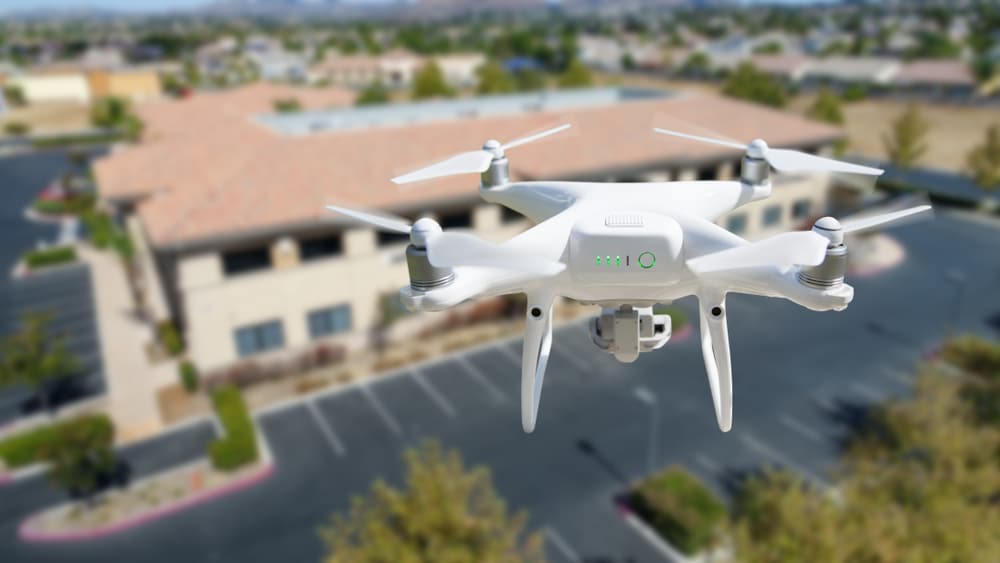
x: 236, y: 177
x: 954, y: 73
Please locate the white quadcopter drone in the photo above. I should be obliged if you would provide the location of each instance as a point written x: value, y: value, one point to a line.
x: 627, y: 247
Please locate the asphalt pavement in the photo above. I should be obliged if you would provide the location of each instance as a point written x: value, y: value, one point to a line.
x: 65, y: 292
x: 801, y: 381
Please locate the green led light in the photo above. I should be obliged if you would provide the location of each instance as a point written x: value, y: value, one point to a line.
x: 646, y: 260
x: 618, y: 260
x: 598, y: 261
x: 607, y: 260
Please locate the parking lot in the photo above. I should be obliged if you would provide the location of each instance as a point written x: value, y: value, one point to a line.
x: 64, y: 292
x: 801, y: 379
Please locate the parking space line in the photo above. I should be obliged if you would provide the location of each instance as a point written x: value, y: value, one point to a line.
x: 801, y: 428
x: 708, y: 463
x: 576, y: 361
x: 433, y: 393
x: 326, y: 429
x: 502, y: 346
x: 761, y: 448
x: 896, y: 375
x: 868, y: 391
x: 498, y: 396
x: 380, y: 409
x: 562, y: 546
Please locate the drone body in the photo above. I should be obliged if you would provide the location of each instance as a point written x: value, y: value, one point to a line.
x: 627, y: 247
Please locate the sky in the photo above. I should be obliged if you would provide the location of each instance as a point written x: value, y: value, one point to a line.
x: 125, y: 5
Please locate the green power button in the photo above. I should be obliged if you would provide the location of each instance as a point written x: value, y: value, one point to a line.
x: 647, y: 260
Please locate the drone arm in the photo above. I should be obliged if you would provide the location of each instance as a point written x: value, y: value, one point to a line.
x: 715, y: 349
x: 535, y: 356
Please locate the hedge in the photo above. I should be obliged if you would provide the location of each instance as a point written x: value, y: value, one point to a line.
x: 26, y: 448
x: 50, y: 256
x: 77, y: 204
x: 189, y: 376
x: 170, y: 338
x: 680, y: 508
x: 239, y: 446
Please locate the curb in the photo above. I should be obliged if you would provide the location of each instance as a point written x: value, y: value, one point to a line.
x: 34, y: 536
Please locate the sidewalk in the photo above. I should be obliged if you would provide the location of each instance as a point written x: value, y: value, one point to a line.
x: 131, y: 379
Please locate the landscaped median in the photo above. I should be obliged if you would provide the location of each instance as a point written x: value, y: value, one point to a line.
x: 682, y: 510
x: 236, y: 461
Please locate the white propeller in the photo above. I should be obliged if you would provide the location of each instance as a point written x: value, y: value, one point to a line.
x: 804, y: 248
x: 455, y: 249
x: 783, y: 159
x: 799, y: 247
x: 476, y: 161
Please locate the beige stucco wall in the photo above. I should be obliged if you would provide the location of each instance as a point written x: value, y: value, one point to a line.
x: 214, y: 305
x: 65, y: 87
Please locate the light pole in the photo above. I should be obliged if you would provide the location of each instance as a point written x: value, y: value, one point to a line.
x: 647, y: 398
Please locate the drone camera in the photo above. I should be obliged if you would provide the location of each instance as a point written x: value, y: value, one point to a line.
x: 627, y: 331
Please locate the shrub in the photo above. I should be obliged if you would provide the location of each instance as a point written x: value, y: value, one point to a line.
x: 50, y: 206
x: 50, y: 256
x: 287, y: 105
x: 239, y: 446
x: 681, y: 509
x: 170, y: 338
x: 189, y: 376
x: 975, y: 355
x: 28, y: 447
x: 100, y: 228
x: 16, y: 128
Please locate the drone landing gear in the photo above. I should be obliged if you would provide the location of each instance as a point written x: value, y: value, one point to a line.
x: 535, y: 356
x: 715, y: 350
x: 628, y: 331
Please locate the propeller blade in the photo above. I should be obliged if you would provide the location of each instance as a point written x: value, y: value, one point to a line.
x: 787, y: 249
x: 383, y: 222
x: 462, y: 163
x: 790, y: 160
x: 730, y: 144
x: 856, y: 224
x: 449, y: 250
x: 715, y: 352
x: 536, y: 136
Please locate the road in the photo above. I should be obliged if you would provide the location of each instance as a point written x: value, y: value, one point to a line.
x: 801, y: 380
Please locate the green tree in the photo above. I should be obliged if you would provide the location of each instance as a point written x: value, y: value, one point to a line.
x: 14, y: 95
x: 192, y: 74
x: 748, y: 83
x: 109, y: 111
x: 826, y: 108
x: 81, y: 457
x: 905, y: 143
x: 984, y: 161
x: 445, y: 513
x: 35, y: 357
x: 494, y: 79
x: 576, y: 75
x: 697, y: 64
x: 374, y: 93
x: 429, y: 82
x: 530, y: 79
x: 918, y: 483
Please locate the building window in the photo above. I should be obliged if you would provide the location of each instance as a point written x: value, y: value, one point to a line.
x: 236, y: 262
x: 260, y: 337
x: 772, y: 215
x: 737, y: 224
x: 707, y: 173
x: 331, y: 320
x: 323, y: 247
x: 508, y: 215
x: 387, y: 239
x: 801, y: 208
x: 456, y: 220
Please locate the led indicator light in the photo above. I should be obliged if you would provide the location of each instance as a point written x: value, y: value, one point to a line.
x: 598, y: 260
x: 607, y: 260
x: 647, y: 260
x: 618, y: 260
